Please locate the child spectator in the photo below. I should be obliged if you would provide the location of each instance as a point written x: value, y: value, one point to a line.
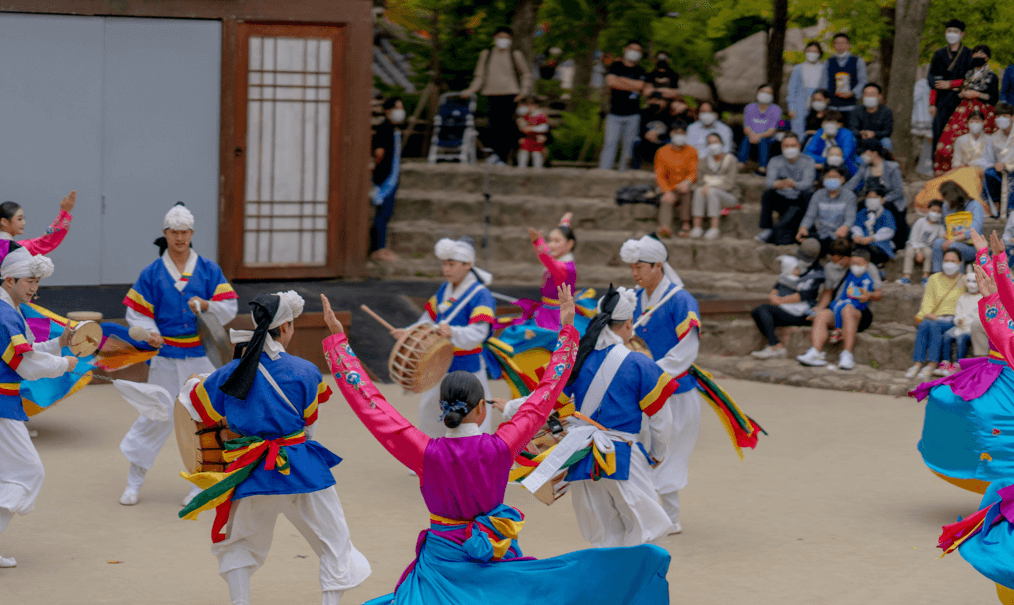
x: 856, y: 289
x: 925, y: 231
x: 833, y: 134
x: 534, y: 126
x: 716, y: 187
x: 835, y: 159
x: 936, y: 315
x: 760, y: 121
x: 874, y: 228
x: 675, y: 172
x: 966, y: 319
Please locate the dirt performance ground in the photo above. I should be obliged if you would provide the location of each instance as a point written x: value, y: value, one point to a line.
x: 834, y: 507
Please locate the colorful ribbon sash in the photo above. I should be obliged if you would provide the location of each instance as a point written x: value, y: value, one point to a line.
x: 489, y: 537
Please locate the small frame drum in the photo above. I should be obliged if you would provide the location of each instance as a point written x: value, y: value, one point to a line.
x: 420, y: 359
x: 637, y: 345
x: 550, y: 434
x: 85, y: 339
x: 201, y: 446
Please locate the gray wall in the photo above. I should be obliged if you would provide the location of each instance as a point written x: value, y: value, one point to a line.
x: 126, y: 111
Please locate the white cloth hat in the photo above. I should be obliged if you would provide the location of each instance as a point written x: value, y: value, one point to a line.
x: 789, y: 263
x: 649, y: 250
x: 178, y: 218
x: 289, y: 308
x: 624, y: 306
x: 460, y: 250
x: 21, y: 263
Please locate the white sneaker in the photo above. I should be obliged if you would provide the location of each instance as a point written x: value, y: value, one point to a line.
x: 926, y: 372
x: 676, y: 529
x: 696, y: 233
x: 194, y: 490
x: 769, y: 352
x: 7, y: 562
x: 712, y: 233
x: 813, y: 357
x: 129, y: 497
x: 846, y: 361
x: 913, y: 371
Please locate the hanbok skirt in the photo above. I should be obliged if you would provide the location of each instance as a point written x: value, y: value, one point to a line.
x: 957, y: 126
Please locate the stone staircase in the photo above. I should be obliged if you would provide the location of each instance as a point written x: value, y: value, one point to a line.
x: 447, y: 201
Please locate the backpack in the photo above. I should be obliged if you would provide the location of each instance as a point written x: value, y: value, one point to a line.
x: 637, y: 194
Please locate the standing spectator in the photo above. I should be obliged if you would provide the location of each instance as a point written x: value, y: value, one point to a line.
x: 873, y: 120
x: 936, y: 315
x: 831, y: 212
x: 957, y: 200
x: 947, y: 71
x: 1007, y: 90
x: 792, y: 298
x: 803, y: 83
x: 980, y: 92
x: 663, y: 79
x: 503, y: 77
x: 966, y: 321
x: 922, y: 126
x: 999, y: 162
x: 924, y: 232
x: 874, y: 228
x: 788, y: 188
x: 818, y: 111
x: 970, y: 148
x: 846, y: 75
x: 716, y: 187
x: 833, y: 133
x: 626, y: 81
x: 675, y: 172
x: 877, y: 171
x: 655, y: 122
x: 386, y: 173
x: 534, y: 126
x: 707, y: 123
x: 760, y: 121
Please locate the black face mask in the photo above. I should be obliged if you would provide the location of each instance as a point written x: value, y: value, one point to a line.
x: 662, y: 65
x: 978, y: 61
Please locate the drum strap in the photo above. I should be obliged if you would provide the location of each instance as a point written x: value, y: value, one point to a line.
x: 278, y: 389
x: 603, y: 378
x: 646, y: 316
x: 461, y: 303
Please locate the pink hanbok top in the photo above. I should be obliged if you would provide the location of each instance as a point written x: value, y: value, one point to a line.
x: 559, y: 272
x: 46, y: 243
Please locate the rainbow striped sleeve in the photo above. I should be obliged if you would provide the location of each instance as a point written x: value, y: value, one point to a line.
x: 688, y: 324
x: 431, y: 307
x: 135, y: 301
x: 481, y: 314
x: 202, y: 403
x: 16, y: 350
x: 224, y: 291
x: 664, y: 387
x: 323, y: 394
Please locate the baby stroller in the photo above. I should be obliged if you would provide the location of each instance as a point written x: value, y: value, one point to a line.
x: 454, y: 133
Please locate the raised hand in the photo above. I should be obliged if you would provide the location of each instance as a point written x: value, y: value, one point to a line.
x: 987, y: 285
x: 330, y: 319
x: 995, y: 244
x: 977, y: 240
x: 68, y: 201
x: 534, y: 234
x: 567, y: 308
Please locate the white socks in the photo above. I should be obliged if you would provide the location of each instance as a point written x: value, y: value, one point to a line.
x: 10, y: 562
x: 239, y: 585
x: 135, y: 479
x: 194, y: 490
x: 332, y: 597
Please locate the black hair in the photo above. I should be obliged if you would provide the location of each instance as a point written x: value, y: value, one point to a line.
x: 983, y: 48
x: 842, y: 172
x: 834, y: 115
x: 880, y: 191
x: 389, y: 102
x: 822, y: 92
x: 9, y: 209
x: 936, y: 202
x: 958, y: 23
x: 765, y: 85
x: 678, y: 125
x: 976, y: 114
x: 237, y: 349
x: 842, y: 35
x: 1004, y: 108
x: 503, y: 29
x: 840, y: 246
x: 954, y: 194
x: 791, y: 135
x: 874, y: 85
x: 457, y: 388
x: 591, y: 336
x: 715, y: 134
x: 637, y: 42
x: 955, y: 251
x: 567, y: 233
x: 862, y: 252
x: 813, y: 43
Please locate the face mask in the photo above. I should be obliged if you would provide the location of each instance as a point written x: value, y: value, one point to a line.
x: 950, y: 269
x: 502, y: 43
x: 397, y: 116
x: 679, y: 140
x: 708, y: 118
x: 835, y: 160
x: 858, y: 270
x: 975, y: 127
x: 831, y: 129
x: 765, y: 98
x: 832, y: 184
x: 714, y: 148
x: 971, y: 285
x: 812, y: 57
x: 522, y: 110
x: 819, y: 105
x: 874, y: 204
x: 871, y: 102
x: 952, y: 37
x: 662, y: 65
x: 790, y: 153
x: 1003, y: 122
x: 934, y: 217
x: 632, y: 55
x: 978, y: 61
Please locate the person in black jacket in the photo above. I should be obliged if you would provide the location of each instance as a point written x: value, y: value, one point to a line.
x: 386, y: 173
x: 947, y: 70
x: 873, y: 120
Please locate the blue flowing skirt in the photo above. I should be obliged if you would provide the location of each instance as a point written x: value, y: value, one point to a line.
x: 991, y: 551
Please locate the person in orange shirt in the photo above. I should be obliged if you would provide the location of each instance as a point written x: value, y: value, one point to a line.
x: 675, y: 172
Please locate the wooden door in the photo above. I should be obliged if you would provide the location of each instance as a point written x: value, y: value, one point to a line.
x: 287, y: 170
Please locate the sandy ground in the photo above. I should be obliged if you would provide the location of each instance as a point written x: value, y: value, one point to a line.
x: 834, y: 507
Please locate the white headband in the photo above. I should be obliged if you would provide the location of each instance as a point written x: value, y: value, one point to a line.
x: 21, y: 263
x: 289, y: 308
x: 649, y: 250
x: 624, y: 309
x: 178, y: 218
x: 455, y: 249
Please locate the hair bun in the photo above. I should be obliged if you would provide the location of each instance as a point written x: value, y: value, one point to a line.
x: 453, y: 420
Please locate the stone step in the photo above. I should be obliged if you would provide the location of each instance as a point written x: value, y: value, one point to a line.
x: 508, y: 180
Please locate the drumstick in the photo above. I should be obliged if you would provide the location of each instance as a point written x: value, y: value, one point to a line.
x: 379, y: 319
x: 139, y: 333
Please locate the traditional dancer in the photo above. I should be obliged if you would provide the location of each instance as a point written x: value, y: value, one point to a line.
x: 462, y: 310
x: 21, y: 471
x: 271, y: 399
x: 470, y: 553
x: 558, y: 258
x: 12, y: 223
x: 666, y: 318
x: 162, y: 302
x: 986, y: 539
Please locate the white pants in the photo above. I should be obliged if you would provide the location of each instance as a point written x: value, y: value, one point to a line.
x: 146, y: 437
x: 319, y: 518
x: 21, y: 472
x: 429, y: 408
x: 673, y: 473
x: 620, y: 513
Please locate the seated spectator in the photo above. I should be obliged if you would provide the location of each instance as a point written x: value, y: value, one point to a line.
x: 936, y: 315
x: 788, y: 187
x: 958, y: 226
x: 847, y: 311
x: 655, y: 123
x: 675, y: 172
x: 831, y: 212
x: 966, y: 320
x: 817, y: 113
x: 971, y: 147
x: 835, y: 159
x: 760, y: 121
x: 792, y: 299
x: 878, y: 171
x: 999, y: 162
x: 925, y: 231
x: 716, y: 187
x: 874, y: 120
x: 679, y: 111
x: 832, y: 133
x: 707, y: 123
x: 533, y: 123
x: 874, y: 228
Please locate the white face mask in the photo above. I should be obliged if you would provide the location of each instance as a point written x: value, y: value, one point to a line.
x: 397, y: 116
x: 679, y: 140
x: 632, y: 55
x: 952, y: 37
x: 812, y: 57
x: 970, y: 284
x: 522, y: 110
x: 858, y: 270
x: 933, y: 217
x: 502, y: 43
x: 975, y: 127
x: 871, y: 102
x: 1003, y: 122
x: 708, y: 118
x: 874, y: 204
x: 951, y: 269
x: 765, y: 98
x: 819, y: 105
x: 831, y: 129
x: 832, y: 184
x: 714, y: 148
x: 790, y: 153
x: 835, y: 160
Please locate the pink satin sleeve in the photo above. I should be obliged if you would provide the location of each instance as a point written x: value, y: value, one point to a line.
x: 996, y: 321
x: 1004, y: 285
x: 44, y: 244
x: 556, y: 268
x: 533, y: 412
x: 392, y: 430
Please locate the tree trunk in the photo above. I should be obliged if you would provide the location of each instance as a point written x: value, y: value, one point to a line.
x: 776, y: 45
x: 584, y: 62
x: 887, y: 46
x: 523, y: 25
x: 910, y: 17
